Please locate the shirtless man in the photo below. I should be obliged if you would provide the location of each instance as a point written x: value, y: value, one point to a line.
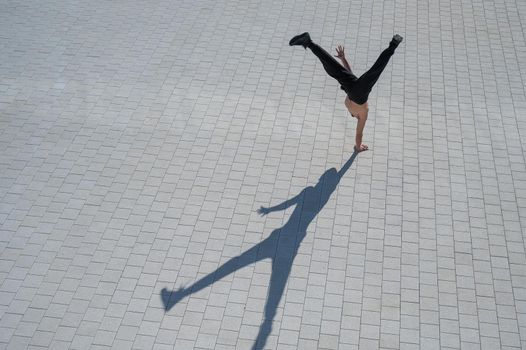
x: 357, y: 89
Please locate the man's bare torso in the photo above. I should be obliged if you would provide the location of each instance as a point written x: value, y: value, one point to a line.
x: 355, y: 109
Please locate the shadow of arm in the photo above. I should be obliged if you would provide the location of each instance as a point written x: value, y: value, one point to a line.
x: 281, y: 206
x: 346, y: 166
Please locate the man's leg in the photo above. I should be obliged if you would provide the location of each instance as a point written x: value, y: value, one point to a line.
x: 369, y: 78
x: 331, y: 66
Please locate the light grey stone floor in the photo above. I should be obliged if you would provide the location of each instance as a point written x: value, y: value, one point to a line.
x: 138, y: 139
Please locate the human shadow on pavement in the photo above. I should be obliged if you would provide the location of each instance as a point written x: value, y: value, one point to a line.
x: 281, y: 247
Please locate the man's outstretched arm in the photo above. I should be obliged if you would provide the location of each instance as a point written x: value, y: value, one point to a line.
x: 340, y: 53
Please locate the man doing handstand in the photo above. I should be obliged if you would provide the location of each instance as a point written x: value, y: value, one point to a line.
x: 357, y: 89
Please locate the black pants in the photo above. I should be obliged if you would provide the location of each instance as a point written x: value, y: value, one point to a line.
x: 357, y: 89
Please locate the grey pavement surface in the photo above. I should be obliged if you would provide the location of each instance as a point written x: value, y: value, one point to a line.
x: 138, y: 139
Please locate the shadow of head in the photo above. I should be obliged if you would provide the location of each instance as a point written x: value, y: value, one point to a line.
x: 328, y: 180
x: 328, y: 175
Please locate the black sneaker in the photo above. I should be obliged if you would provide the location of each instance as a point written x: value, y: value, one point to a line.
x: 397, y: 39
x: 302, y: 39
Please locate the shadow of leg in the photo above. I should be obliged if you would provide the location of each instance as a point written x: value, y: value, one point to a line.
x: 281, y: 267
x: 170, y: 298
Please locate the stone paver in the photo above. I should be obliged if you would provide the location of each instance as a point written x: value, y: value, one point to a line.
x: 137, y: 140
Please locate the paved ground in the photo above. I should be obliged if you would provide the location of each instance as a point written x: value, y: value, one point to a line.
x: 137, y: 140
